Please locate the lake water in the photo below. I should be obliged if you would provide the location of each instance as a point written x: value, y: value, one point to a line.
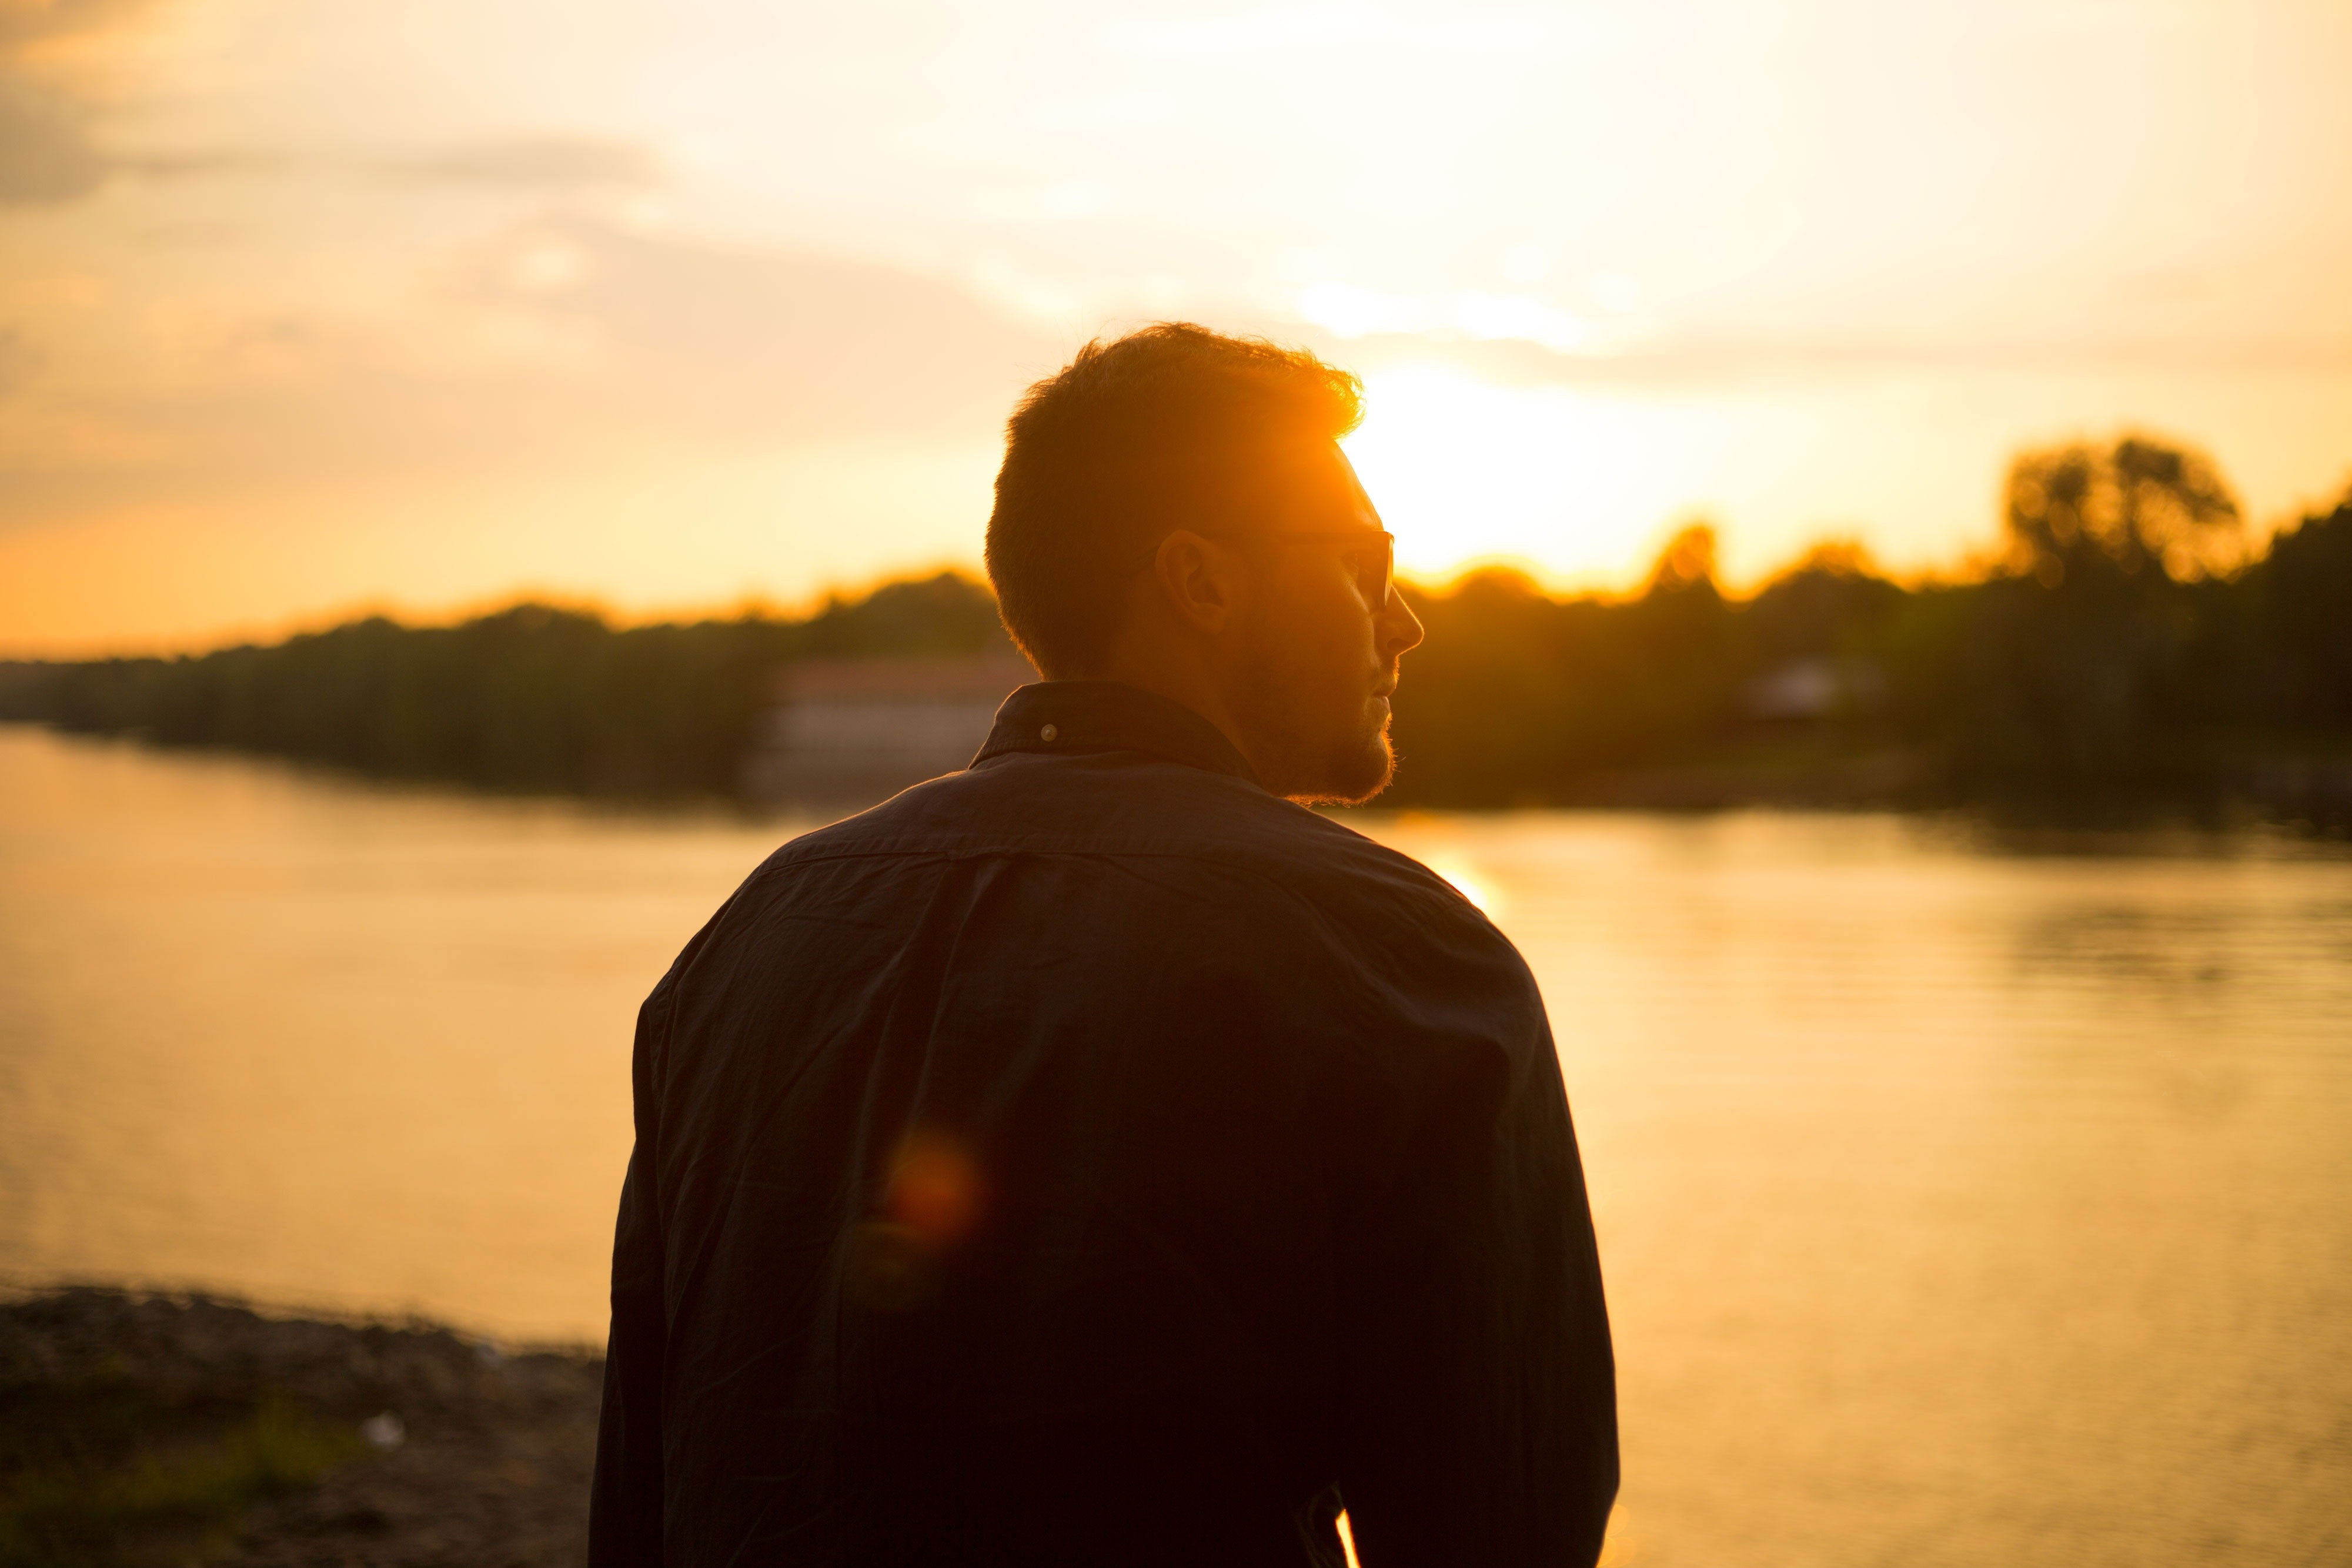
x: 1962, y: 1201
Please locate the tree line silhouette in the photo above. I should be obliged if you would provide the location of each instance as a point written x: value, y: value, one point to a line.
x: 2130, y: 646
x: 533, y: 697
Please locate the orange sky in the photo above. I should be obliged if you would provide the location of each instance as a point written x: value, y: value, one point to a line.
x: 415, y: 303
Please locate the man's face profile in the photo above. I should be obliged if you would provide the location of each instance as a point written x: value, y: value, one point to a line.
x: 1175, y: 514
x: 1318, y: 650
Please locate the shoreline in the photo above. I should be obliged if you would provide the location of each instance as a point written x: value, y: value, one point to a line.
x: 165, y: 1427
x: 2305, y: 795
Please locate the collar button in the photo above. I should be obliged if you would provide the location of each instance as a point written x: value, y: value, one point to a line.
x: 1050, y: 733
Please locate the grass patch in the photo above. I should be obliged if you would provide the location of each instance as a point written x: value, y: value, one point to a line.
x: 72, y: 1507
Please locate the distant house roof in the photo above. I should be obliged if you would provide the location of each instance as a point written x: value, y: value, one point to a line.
x: 989, y: 677
x: 854, y: 731
x: 1814, y: 687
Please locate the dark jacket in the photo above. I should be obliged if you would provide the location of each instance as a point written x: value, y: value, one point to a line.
x: 1091, y: 1158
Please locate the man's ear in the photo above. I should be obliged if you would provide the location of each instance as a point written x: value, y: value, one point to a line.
x: 1201, y: 580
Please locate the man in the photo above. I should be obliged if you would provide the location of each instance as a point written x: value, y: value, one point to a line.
x: 1096, y: 1157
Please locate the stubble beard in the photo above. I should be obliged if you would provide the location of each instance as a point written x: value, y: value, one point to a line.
x: 1315, y: 769
x: 1359, y: 772
x: 1301, y: 753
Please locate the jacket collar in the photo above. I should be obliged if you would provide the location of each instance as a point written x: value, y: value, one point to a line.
x: 1110, y: 715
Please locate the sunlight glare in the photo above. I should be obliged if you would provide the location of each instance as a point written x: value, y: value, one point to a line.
x: 1465, y: 471
x: 1470, y: 884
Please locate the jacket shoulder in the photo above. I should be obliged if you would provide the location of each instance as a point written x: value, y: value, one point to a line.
x: 1125, y: 806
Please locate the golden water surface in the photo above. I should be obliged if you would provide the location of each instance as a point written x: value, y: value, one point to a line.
x: 1963, y: 1200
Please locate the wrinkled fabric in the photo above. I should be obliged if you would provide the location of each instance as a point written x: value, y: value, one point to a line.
x: 1092, y: 1158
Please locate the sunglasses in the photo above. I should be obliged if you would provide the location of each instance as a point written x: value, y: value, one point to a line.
x: 1371, y: 554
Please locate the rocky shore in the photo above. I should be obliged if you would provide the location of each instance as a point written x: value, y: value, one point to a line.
x: 139, y: 1429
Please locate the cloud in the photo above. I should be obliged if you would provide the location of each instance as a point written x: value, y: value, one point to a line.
x: 47, y: 153
x: 16, y: 359
x: 24, y: 25
x: 1717, y: 354
x: 538, y: 351
x: 570, y: 161
x: 759, y: 341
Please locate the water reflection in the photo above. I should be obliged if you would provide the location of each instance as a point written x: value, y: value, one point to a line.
x: 1959, y: 1205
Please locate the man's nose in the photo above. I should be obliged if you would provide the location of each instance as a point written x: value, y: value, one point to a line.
x: 1399, y: 629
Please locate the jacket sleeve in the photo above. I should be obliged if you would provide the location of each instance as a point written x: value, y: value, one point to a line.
x: 1481, y: 1422
x: 624, y: 1511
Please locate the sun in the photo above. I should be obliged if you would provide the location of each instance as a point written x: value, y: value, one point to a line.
x: 1463, y: 471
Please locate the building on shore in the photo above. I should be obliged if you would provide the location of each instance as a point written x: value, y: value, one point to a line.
x: 850, y: 732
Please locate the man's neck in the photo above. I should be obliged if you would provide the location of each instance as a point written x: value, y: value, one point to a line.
x: 1178, y: 682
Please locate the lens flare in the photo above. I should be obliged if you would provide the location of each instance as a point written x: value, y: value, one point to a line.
x: 935, y: 1190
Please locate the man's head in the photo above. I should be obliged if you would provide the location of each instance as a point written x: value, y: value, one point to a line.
x: 1174, y: 511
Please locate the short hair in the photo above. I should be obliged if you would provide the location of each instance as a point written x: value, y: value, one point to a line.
x: 1134, y: 438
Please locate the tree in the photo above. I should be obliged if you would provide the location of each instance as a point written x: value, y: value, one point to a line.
x: 2138, y: 504
x: 2303, y: 599
x: 2077, y: 676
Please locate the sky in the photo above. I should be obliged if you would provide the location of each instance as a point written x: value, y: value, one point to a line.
x: 315, y: 306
